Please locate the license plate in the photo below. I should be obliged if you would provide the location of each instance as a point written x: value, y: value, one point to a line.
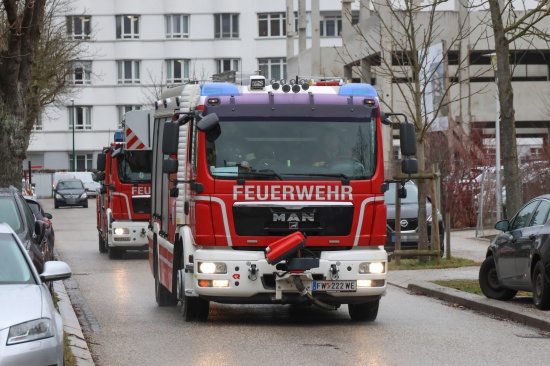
x: 335, y: 286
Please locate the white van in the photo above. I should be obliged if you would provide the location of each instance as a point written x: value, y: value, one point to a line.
x: 87, y: 179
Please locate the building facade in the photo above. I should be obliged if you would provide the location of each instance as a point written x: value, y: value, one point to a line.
x: 136, y: 48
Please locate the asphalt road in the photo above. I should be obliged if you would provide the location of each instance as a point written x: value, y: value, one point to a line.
x: 123, y: 325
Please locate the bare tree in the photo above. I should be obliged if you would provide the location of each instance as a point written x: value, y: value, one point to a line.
x: 35, y: 64
x: 508, y: 26
x: 399, y: 46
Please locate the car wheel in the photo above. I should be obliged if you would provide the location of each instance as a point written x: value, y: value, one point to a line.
x: 365, y: 312
x: 86, y: 205
x: 488, y: 281
x: 56, y: 205
x: 102, y: 247
x: 541, y: 288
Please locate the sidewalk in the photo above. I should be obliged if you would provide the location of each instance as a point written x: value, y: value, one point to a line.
x: 464, y: 244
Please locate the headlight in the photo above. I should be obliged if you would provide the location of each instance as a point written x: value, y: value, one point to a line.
x: 58, y: 196
x: 30, y: 331
x: 83, y: 195
x: 121, y: 231
x: 372, y: 267
x: 212, y: 267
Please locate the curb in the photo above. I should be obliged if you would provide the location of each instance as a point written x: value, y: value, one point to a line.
x: 496, y: 308
x: 72, y: 328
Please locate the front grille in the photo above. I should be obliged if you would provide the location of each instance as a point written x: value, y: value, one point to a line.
x: 279, y: 221
x: 412, y: 224
x: 142, y: 205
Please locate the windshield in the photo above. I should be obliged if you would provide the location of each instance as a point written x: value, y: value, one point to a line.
x: 412, y: 194
x: 14, y: 268
x: 70, y: 184
x: 286, y: 150
x: 134, y: 166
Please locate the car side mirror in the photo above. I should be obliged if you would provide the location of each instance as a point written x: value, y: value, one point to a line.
x: 48, y: 215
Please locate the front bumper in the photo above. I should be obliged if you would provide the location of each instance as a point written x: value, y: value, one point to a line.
x: 134, y: 236
x: 252, y: 280
x: 71, y: 201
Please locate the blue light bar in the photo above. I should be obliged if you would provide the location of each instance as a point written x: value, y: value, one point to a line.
x: 358, y: 89
x: 118, y: 136
x: 219, y: 89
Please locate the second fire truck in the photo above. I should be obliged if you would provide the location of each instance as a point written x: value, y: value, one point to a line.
x: 270, y: 194
x: 123, y: 201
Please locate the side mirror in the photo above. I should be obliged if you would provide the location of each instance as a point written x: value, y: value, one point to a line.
x: 100, y: 176
x: 101, y: 162
x: 170, y: 138
x: 48, y: 215
x: 502, y: 225
x: 169, y: 166
x: 409, y: 166
x: 407, y: 138
x: 210, y: 124
x: 39, y: 228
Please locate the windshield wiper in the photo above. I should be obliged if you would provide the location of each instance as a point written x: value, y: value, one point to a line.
x: 262, y: 173
x: 336, y: 175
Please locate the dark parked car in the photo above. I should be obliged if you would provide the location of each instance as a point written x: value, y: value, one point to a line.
x: 70, y: 192
x: 15, y: 212
x: 409, y: 218
x: 518, y: 259
x: 41, y: 215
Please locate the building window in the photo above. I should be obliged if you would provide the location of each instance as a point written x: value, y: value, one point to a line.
x: 38, y: 126
x: 272, y: 25
x: 79, y: 26
x: 177, y: 26
x: 84, y: 162
x: 122, y: 109
x: 331, y: 26
x: 128, y: 72
x: 127, y: 26
x: 177, y: 71
x: 227, y: 64
x: 272, y: 68
x: 81, y: 116
x: 226, y: 25
x: 82, y: 72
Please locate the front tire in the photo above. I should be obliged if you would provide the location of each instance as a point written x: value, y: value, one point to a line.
x: 365, y: 312
x: 114, y: 253
x: 194, y: 308
x: 541, y: 288
x: 488, y: 281
x: 102, y: 247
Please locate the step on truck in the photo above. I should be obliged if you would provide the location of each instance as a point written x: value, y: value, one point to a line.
x: 270, y: 194
x: 124, y: 198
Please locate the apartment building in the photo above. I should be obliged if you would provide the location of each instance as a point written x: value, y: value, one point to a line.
x: 135, y: 48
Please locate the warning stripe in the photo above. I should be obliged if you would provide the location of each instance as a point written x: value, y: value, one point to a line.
x: 132, y: 141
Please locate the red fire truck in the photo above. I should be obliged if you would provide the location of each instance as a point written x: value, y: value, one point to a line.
x: 124, y: 199
x: 270, y: 194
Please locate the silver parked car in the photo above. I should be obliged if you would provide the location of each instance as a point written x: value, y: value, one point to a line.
x: 31, y: 329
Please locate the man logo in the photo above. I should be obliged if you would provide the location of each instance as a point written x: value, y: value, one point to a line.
x: 294, y: 217
x: 293, y: 225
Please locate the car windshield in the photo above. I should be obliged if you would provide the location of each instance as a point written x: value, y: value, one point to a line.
x: 412, y: 194
x: 10, y: 214
x: 70, y: 184
x: 14, y: 268
x: 134, y: 166
x: 293, y: 150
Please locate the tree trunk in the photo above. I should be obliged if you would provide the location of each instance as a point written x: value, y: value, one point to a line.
x: 511, y: 174
x: 16, y: 63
